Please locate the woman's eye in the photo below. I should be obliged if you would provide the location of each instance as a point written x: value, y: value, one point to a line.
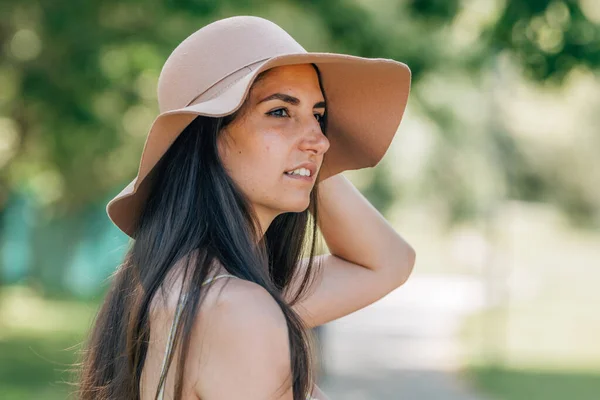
x: 277, y: 113
x: 319, y: 117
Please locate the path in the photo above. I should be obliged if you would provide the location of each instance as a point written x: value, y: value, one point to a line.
x: 403, y: 347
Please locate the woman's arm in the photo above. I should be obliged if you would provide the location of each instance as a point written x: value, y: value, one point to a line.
x: 355, y: 231
x: 368, y: 257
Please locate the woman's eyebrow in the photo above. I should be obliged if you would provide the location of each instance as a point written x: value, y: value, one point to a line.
x: 289, y: 99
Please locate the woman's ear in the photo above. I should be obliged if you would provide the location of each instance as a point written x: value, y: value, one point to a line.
x: 223, y: 146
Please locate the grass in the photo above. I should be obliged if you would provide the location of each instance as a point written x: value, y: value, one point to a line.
x: 39, y: 340
x: 514, y: 384
x: 35, y: 367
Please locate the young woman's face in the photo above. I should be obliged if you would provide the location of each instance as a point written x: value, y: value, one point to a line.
x: 276, y: 132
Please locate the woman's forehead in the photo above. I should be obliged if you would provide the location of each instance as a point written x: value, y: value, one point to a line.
x: 300, y: 77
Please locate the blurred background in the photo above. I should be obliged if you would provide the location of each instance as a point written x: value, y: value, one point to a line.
x: 493, y: 177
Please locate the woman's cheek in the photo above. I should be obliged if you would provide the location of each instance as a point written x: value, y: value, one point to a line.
x: 273, y: 146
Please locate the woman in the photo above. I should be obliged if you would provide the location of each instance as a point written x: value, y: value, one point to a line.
x: 222, y: 276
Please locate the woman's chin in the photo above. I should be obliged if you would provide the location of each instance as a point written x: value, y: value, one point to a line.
x: 295, y: 206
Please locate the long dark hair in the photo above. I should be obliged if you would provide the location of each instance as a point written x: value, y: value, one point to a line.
x: 194, y: 206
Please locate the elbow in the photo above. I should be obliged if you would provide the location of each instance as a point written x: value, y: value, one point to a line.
x: 404, y: 265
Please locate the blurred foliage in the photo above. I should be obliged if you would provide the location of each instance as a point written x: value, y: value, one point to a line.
x: 550, y: 38
x: 78, y: 80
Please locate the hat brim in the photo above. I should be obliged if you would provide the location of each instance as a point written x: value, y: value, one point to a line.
x: 366, y: 99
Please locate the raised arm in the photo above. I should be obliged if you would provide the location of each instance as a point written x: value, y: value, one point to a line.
x: 368, y: 257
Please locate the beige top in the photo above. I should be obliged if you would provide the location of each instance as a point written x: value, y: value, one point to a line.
x: 172, y: 334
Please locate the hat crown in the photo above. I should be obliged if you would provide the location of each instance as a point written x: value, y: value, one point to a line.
x: 215, y: 51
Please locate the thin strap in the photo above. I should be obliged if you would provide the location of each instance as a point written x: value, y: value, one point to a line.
x: 209, y: 280
x: 172, y: 330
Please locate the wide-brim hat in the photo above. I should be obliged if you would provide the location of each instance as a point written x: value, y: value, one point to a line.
x: 212, y: 70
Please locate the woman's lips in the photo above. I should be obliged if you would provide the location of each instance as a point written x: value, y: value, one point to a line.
x: 300, y: 177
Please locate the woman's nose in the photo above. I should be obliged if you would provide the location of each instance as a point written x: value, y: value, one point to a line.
x: 314, y: 139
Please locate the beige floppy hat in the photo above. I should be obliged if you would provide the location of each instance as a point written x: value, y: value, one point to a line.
x: 210, y: 74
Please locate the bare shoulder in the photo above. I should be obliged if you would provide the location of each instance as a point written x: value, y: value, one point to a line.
x: 243, y: 302
x: 244, y: 345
